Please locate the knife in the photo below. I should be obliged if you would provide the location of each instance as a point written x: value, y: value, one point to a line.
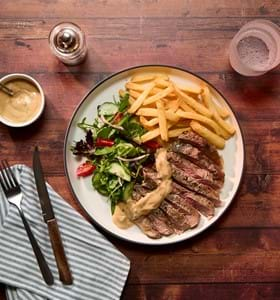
x: 49, y: 217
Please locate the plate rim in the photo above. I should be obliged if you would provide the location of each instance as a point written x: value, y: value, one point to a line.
x: 70, y: 124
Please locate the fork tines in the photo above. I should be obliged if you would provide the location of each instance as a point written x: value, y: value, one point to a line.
x: 8, y: 180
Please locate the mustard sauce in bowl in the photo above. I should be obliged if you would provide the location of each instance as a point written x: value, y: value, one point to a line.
x: 27, y: 103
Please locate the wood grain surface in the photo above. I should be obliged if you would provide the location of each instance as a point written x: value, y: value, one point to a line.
x: 238, y: 257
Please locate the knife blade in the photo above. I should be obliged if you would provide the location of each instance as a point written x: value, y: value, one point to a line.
x: 49, y: 217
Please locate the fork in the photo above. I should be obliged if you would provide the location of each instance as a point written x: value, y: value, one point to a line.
x: 12, y: 191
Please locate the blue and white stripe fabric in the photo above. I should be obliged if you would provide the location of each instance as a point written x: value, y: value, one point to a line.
x: 99, y: 270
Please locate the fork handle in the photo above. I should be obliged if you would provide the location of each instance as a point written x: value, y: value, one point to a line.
x: 45, y: 270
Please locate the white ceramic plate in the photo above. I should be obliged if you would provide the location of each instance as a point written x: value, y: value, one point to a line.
x: 97, y: 206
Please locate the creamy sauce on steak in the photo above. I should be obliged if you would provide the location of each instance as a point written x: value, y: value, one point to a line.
x: 120, y: 218
x: 132, y: 210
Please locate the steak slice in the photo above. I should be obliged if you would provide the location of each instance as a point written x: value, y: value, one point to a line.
x: 192, y: 216
x: 205, y: 206
x: 177, y: 217
x: 203, y: 175
x: 197, y: 157
x: 158, y: 221
x: 199, y: 202
x: 139, y: 191
x: 169, y: 217
x: 146, y: 226
x: 194, y: 185
x: 202, y: 144
x: 151, y: 179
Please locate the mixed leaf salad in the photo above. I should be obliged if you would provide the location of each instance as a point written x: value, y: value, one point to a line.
x: 114, y: 157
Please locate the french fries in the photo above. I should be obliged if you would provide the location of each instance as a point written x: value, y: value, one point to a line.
x: 142, y: 77
x: 167, y: 109
x: 210, y: 104
x: 189, y: 89
x: 172, y: 104
x: 195, y: 116
x: 208, y: 135
x: 160, y: 82
x: 147, y: 112
x: 193, y: 103
x: 162, y: 121
x: 159, y: 95
x: 207, y: 98
x: 185, y: 106
x: 176, y: 132
x: 152, y: 112
x: 148, y: 123
x: 138, y: 102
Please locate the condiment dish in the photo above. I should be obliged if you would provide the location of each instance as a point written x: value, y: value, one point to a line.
x: 19, y: 76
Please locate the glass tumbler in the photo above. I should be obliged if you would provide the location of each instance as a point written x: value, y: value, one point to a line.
x: 255, y: 49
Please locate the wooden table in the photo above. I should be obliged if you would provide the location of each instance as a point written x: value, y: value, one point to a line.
x: 237, y: 258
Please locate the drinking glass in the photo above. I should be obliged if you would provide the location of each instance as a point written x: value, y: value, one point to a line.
x: 255, y: 49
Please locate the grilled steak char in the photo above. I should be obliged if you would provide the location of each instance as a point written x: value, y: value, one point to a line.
x: 146, y: 226
x: 191, y: 215
x: 199, y: 142
x: 177, y: 217
x: 172, y: 216
x: 160, y: 222
x: 205, y: 206
x: 199, y: 202
x: 202, y: 175
x: 156, y: 219
x: 197, y: 157
x: 197, y: 179
x: 186, y: 180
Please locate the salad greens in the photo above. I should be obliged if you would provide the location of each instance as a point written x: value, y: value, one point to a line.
x: 109, y: 146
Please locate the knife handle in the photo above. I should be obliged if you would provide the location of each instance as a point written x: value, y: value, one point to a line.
x: 60, y: 257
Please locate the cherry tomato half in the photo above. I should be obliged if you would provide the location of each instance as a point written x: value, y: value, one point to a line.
x: 152, y: 145
x: 104, y: 142
x: 85, y: 169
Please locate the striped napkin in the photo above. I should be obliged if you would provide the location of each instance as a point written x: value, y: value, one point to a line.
x: 99, y: 270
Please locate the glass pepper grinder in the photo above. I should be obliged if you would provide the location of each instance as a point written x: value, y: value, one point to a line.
x: 67, y: 42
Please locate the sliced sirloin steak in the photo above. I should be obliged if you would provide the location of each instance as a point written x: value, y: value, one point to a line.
x: 205, y: 206
x: 197, y: 171
x: 179, y: 176
x: 203, y: 175
x: 202, y: 144
x: 193, y: 179
x: 198, y: 158
x: 144, y: 223
x: 177, y: 217
x: 146, y: 226
x: 199, y: 202
x: 158, y: 221
x: 192, y: 216
x: 151, y: 180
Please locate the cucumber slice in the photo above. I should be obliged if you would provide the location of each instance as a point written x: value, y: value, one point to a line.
x: 127, y: 191
x: 117, y: 169
x: 107, y: 109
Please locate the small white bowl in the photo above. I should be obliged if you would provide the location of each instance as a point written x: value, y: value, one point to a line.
x: 30, y: 79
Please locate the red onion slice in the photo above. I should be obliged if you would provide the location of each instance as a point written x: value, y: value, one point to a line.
x: 133, y: 159
x: 110, y: 124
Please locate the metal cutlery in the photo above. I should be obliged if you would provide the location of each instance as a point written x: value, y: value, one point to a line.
x: 6, y: 90
x: 14, y: 195
x: 49, y: 217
